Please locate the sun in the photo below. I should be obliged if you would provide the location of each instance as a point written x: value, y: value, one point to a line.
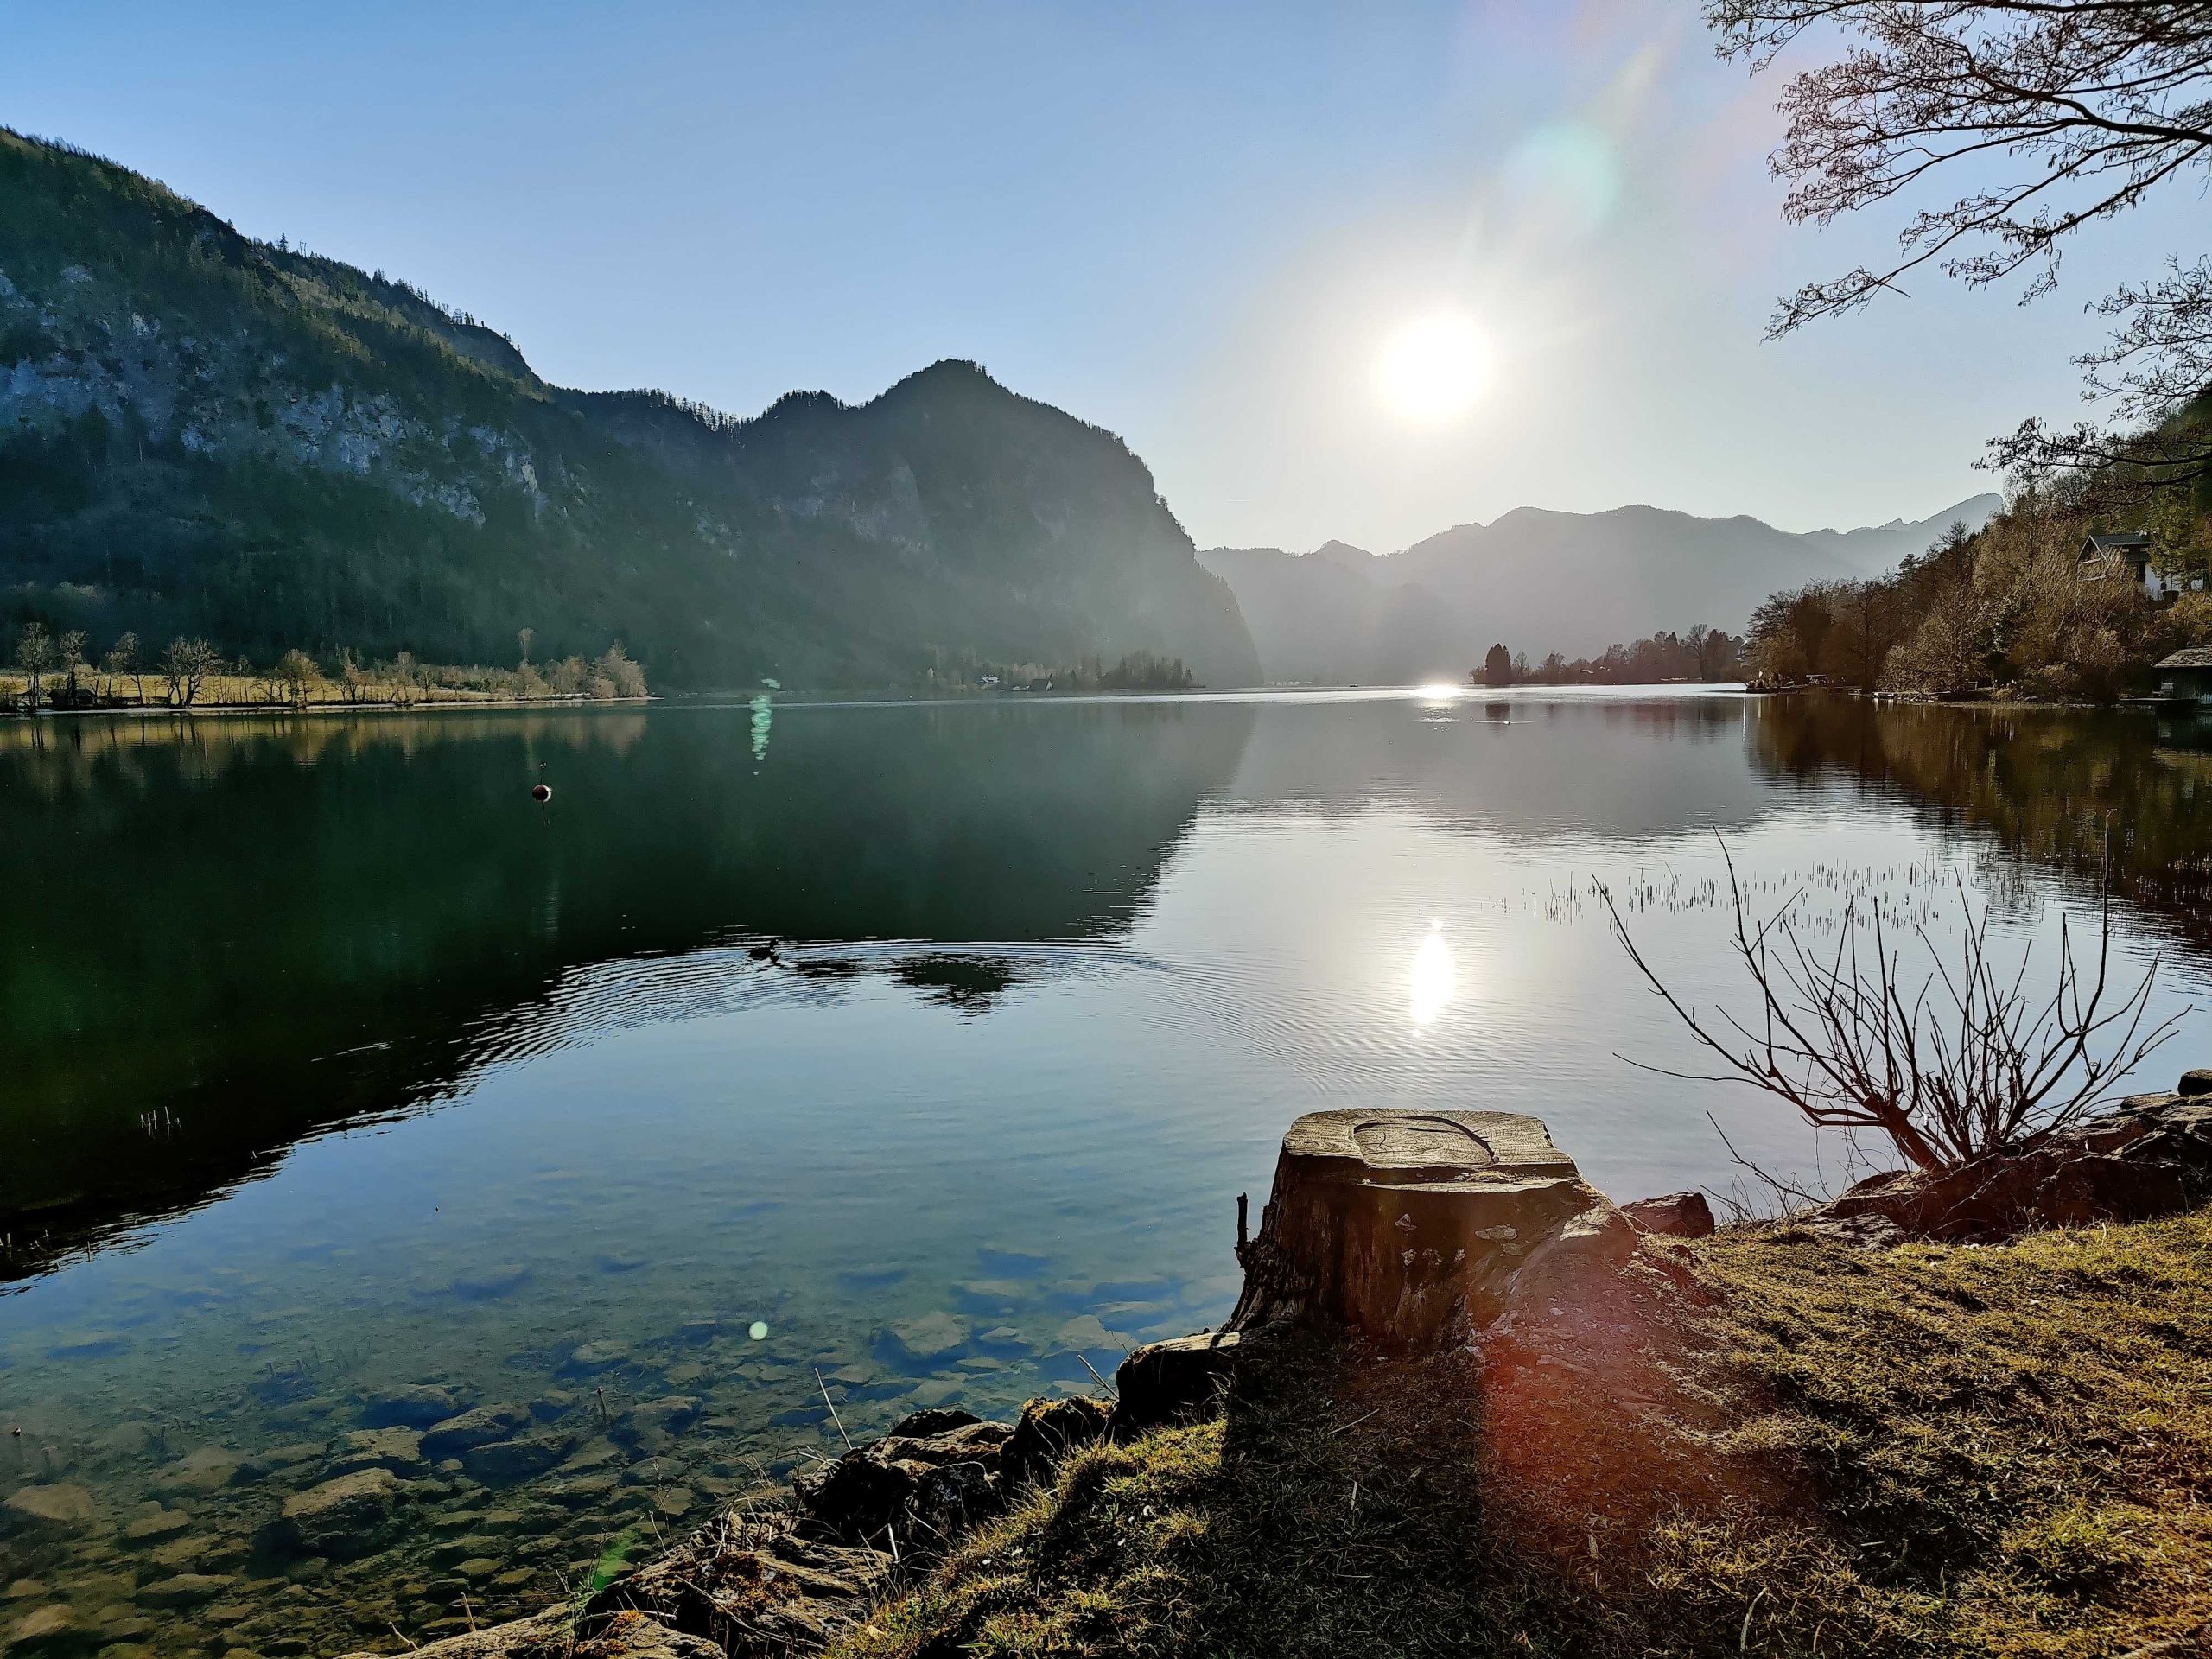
x: 1435, y: 369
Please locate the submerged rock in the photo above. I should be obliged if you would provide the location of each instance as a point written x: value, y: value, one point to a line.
x: 185, y: 1589
x: 399, y: 1450
x: 478, y: 1428
x: 502, y: 1463
x: 592, y: 1358
x: 207, y: 1470
x: 654, y: 1425
x: 58, y: 1507
x: 418, y: 1406
x: 488, y: 1283
x: 342, y: 1519
x: 930, y: 1337
x: 40, y: 1629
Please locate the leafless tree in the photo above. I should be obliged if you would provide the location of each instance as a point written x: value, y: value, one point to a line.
x: 2055, y: 116
x: 35, y: 654
x: 186, y: 665
x: 123, y: 658
x: 70, y: 648
x: 1966, y: 1062
x: 295, y: 672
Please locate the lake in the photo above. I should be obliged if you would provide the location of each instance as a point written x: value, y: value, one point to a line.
x: 908, y: 1054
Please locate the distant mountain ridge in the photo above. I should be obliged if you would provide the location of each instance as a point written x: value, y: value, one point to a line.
x: 1538, y: 581
x: 202, y: 433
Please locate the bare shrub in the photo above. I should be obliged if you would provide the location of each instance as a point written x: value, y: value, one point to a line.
x: 1965, y: 1064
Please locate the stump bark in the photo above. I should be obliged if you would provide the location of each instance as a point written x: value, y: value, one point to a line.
x: 1412, y: 1227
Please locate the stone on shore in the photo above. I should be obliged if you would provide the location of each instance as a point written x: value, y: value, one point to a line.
x: 1046, y: 1432
x: 2150, y: 1156
x: 916, y: 1484
x: 1176, y: 1381
x: 1678, y: 1215
x: 754, y: 1585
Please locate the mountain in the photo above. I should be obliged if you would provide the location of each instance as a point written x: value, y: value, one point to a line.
x: 203, y: 433
x: 1879, y: 547
x: 1538, y: 581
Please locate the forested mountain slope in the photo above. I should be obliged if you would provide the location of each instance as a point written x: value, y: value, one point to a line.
x: 202, y: 433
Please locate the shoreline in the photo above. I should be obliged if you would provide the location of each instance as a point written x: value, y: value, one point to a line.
x: 1662, y: 1444
x: 437, y: 705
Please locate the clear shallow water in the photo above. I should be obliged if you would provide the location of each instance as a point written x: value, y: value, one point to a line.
x: 336, y: 1065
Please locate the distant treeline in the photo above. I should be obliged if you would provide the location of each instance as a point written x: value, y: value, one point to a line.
x: 1137, y: 670
x: 62, y: 671
x: 1700, y: 653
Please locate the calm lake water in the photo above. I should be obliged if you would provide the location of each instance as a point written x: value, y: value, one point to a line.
x: 332, y: 1065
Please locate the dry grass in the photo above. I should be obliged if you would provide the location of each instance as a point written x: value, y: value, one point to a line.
x: 2002, y: 1449
x: 1986, y: 1450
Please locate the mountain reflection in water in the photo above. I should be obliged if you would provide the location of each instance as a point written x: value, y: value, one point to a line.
x: 233, y: 933
x: 227, y: 934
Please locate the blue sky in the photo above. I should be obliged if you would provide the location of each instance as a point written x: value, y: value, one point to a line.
x: 1197, y: 225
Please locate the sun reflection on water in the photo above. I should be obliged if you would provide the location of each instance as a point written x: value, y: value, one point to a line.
x: 1432, y: 976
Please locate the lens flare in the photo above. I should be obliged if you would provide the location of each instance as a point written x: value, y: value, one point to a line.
x: 1564, y: 178
x: 1434, y: 370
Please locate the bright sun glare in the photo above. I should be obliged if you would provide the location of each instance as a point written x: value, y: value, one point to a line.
x: 1434, y: 370
x: 1432, y: 977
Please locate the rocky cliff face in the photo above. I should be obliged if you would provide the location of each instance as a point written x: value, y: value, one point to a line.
x: 200, y: 432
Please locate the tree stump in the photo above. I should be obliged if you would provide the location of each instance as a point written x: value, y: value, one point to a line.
x: 1411, y: 1228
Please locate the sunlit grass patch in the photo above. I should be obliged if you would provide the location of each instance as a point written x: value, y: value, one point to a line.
x: 1977, y: 1450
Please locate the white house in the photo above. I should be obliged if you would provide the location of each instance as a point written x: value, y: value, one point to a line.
x: 2125, y: 557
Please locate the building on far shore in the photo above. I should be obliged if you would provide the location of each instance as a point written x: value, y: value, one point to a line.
x: 2125, y: 557
x: 2186, y: 676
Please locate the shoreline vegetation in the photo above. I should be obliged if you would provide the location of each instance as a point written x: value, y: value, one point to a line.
x: 1701, y: 655
x: 56, y: 674
x: 2072, y: 592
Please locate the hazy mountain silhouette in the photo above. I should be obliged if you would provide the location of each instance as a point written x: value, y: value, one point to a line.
x: 1539, y: 581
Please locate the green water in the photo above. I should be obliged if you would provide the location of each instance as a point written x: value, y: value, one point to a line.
x: 331, y: 1064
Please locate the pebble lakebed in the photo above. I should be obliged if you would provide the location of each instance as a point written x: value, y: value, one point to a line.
x: 337, y: 1503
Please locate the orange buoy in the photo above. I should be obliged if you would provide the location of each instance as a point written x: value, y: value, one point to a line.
x: 541, y: 793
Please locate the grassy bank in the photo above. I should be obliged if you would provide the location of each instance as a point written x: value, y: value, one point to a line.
x: 1774, y: 1445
